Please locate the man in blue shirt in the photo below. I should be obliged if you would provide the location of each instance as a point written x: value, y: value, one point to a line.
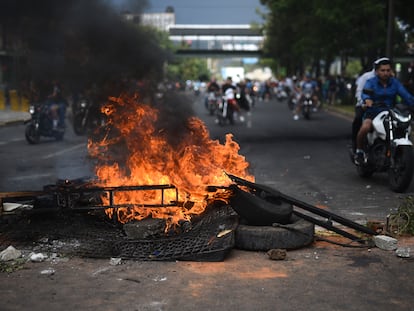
x: 307, y: 85
x: 383, y: 89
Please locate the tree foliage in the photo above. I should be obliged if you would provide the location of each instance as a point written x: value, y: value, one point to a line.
x: 302, y: 33
x: 188, y: 69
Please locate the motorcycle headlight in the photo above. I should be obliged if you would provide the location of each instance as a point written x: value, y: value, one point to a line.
x: 403, y: 119
x: 32, y: 109
x: 402, y: 123
x: 83, y: 104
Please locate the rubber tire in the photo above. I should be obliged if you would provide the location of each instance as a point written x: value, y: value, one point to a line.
x: 365, y: 171
x: 257, y: 211
x: 297, y: 234
x: 77, y: 125
x: 59, y: 136
x: 32, y: 136
x: 400, y: 182
x: 306, y: 112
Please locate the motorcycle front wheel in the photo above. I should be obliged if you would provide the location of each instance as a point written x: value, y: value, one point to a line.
x: 59, y: 135
x: 306, y: 112
x: 211, y: 108
x: 79, y: 125
x: 365, y: 171
x: 401, y: 173
x: 31, y: 134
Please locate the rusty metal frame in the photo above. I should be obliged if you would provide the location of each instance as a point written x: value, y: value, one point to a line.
x: 68, y: 197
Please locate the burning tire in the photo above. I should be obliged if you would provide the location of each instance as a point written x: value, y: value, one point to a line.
x: 298, y: 233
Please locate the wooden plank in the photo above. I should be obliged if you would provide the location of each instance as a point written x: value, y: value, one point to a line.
x: 20, y: 194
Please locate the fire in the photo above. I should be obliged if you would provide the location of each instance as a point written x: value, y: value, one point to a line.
x: 137, y: 149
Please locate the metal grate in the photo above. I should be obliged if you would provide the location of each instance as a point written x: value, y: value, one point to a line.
x: 92, y: 235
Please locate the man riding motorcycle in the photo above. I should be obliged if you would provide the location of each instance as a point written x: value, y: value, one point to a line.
x: 307, y: 85
x: 229, y: 105
x: 383, y: 88
x: 213, y: 91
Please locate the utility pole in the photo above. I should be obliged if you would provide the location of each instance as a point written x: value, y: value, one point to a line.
x: 390, y: 29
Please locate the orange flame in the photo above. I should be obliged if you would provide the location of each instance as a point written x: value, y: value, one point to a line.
x: 134, y: 151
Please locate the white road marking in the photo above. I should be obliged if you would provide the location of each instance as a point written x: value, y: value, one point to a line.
x: 32, y: 176
x: 60, y: 152
x: 11, y: 141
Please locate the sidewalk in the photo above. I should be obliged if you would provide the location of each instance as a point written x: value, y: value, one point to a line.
x: 8, y: 116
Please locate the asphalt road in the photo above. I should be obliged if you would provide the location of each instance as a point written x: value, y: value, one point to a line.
x: 30, y: 167
x: 307, y: 159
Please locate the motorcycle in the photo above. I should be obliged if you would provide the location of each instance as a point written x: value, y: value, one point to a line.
x: 226, y: 110
x: 307, y: 105
x: 41, y: 124
x: 212, y: 103
x: 282, y: 92
x: 292, y: 101
x: 389, y: 149
x: 86, y: 116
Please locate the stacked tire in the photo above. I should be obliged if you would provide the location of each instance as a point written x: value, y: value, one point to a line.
x: 296, y: 234
x: 267, y: 222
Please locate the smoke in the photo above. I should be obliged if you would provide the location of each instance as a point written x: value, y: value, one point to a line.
x: 175, y: 110
x: 85, y: 42
x: 79, y: 42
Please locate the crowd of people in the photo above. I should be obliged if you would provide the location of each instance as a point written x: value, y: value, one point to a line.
x: 333, y: 90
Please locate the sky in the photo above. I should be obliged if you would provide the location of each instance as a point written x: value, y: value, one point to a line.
x: 210, y: 11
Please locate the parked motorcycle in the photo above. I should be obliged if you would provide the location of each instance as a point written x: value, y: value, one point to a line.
x: 41, y: 124
x: 389, y: 149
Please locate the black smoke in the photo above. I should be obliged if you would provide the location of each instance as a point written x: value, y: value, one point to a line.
x: 79, y: 42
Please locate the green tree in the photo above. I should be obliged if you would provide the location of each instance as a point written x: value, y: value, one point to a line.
x: 188, y: 69
x: 300, y: 33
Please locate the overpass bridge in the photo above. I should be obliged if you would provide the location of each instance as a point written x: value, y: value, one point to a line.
x: 216, y: 40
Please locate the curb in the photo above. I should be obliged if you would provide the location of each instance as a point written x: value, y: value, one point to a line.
x: 12, y: 122
x: 340, y: 113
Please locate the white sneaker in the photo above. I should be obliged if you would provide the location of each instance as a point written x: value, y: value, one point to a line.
x: 295, y: 117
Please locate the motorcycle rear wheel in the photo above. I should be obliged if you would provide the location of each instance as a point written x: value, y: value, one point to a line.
x: 400, y: 175
x: 31, y: 134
